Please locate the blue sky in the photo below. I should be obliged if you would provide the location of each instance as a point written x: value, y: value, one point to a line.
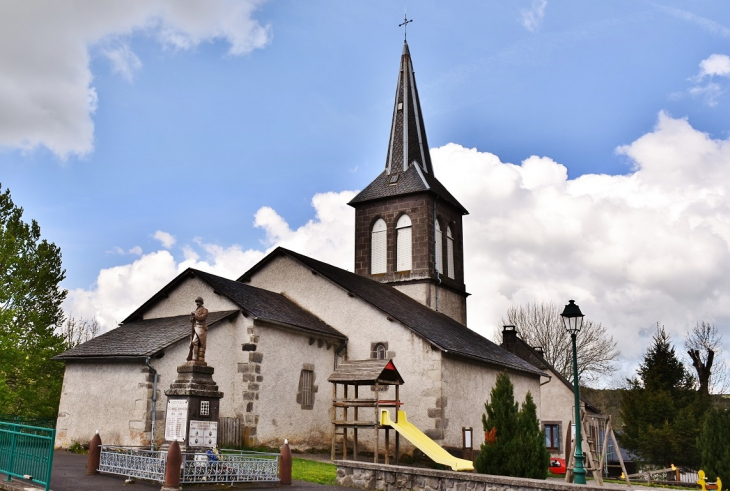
x: 204, y: 117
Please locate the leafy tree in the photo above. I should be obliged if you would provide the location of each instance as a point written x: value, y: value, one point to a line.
x: 30, y: 311
x: 514, y: 444
x: 714, y: 445
x: 540, y: 325
x: 661, y: 411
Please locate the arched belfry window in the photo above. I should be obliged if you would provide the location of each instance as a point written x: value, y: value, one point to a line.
x: 439, y: 248
x: 378, y: 246
x: 449, y: 253
x: 404, y: 237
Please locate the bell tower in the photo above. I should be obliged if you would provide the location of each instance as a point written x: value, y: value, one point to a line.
x: 408, y: 226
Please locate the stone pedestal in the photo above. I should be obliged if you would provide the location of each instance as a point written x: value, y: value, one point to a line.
x: 193, y: 402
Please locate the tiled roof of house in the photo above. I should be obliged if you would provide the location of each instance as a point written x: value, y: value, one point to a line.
x: 439, y: 329
x: 141, y: 338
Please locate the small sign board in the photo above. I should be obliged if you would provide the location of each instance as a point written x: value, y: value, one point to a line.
x: 176, y: 420
x: 203, y: 433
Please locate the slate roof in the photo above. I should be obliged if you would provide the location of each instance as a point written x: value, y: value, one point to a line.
x: 141, y: 338
x: 439, y: 329
x: 263, y: 304
x: 268, y: 306
x: 408, y: 159
x: 411, y: 181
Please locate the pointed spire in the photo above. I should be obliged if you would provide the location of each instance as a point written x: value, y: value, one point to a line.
x: 408, y: 144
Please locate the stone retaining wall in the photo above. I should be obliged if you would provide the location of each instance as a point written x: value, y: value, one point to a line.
x: 399, y: 478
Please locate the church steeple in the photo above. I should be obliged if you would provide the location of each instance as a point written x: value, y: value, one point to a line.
x: 408, y: 226
x: 408, y: 144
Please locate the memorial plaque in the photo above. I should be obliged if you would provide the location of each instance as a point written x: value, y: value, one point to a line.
x: 203, y: 433
x: 176, y: 420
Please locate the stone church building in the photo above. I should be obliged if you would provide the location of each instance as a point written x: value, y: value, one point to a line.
x: 277, y: 332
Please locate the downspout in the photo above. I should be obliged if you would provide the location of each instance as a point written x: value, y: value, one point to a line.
x: 154, y: 403
x: 435, y: 248
x: 339, y: 350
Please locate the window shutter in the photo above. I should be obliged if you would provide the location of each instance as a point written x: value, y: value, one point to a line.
x: 439, y: 247
x: 378, y: 244
x: 404, y: 253
x: 450, y: 253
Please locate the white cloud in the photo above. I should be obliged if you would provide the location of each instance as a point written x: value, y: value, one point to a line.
x: 46, y: 90
x: 532, y: 18
x: 632, y: 250
x: 119, y: 290
x: 715, y: 65
x: 167, y: 240
x: 123, y: 60
x: 136, y: 250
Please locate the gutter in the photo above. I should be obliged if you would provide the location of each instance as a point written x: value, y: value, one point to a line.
x: 154, y: 403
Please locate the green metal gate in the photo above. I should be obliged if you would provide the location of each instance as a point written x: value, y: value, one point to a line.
x: 26, y: 452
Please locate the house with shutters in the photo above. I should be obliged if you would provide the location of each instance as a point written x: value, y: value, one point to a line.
x: 279, y: 330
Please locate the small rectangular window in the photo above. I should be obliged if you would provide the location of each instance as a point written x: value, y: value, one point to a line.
x: 205, y: 408
x: 552, y: 437
x: 306, y: 383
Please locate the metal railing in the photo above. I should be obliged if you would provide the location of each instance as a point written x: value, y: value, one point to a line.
x: 230, y: 466
x: 26, y: 452
x: 137, y: 462
x: 227, y: 466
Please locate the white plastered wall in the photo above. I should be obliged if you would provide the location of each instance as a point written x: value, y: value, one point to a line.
x: 116, y: 398
x: 275, y: 413
x: 181, y: 300
x: 558, y: 407
x: 418, y: 363
x: 467, y: 386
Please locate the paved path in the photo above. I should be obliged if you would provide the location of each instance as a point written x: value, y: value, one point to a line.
x: 69, y: 474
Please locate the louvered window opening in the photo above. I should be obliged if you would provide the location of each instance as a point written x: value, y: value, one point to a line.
x: 378, y: 243
x: 404, y: 254
x: 450, y: 253
x: 439, y: 248
x: 307, y: 383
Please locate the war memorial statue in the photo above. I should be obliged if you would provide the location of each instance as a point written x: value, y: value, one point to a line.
x: 199, y: 334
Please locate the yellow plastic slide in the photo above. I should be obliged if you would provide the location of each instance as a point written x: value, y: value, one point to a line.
x: 424, y: 443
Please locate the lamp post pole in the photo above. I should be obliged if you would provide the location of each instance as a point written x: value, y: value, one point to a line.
x: 573, y: 322
x: 579, y: 471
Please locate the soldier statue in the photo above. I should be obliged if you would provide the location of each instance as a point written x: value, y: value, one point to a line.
x: 199, y: 335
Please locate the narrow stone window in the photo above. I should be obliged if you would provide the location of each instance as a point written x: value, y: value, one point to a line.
x: 450, y: 253
x: 306, y: 389
x: 439, y: 248
x: 378, y: 245
x: 405, y: 243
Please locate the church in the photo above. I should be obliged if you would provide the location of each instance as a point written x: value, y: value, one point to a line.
x: 278, y: 332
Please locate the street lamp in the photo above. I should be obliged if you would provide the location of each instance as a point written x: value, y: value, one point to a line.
x: 573, y: 321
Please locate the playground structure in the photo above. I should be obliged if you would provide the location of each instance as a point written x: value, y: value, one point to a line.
x: 597, y: 428
x: 352, y: 411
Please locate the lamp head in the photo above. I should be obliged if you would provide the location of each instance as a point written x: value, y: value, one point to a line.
x: 572, y: 318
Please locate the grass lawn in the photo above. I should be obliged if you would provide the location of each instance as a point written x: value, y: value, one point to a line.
x: 313, y: 471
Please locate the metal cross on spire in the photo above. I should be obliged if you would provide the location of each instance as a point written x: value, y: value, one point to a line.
x: 404, y: 25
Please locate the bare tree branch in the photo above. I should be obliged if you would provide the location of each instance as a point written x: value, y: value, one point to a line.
x: 704, y: 346
x: 539, y: 325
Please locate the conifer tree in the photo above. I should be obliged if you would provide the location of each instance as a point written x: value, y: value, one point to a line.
x: 513, y: 444
x: 662, y: 413
x: 500, y: 424
x: 714, y: 445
